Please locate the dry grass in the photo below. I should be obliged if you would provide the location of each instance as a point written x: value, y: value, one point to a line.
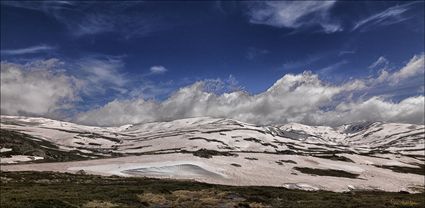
x: 151, y: 198
x: 195, y: 199
x: 203, y: 198
x: 257, y: 205
x: 404, y: 203
x: 99, y: 204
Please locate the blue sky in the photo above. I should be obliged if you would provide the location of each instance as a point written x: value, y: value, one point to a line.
x: 125, y: 51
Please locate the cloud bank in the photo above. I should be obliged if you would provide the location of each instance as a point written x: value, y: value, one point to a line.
x: 43, y: 88
x: 300, y: 98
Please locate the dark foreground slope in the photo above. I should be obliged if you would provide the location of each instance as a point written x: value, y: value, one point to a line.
x: 48, y: 189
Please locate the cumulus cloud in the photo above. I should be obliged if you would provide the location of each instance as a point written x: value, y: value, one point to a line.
x: 35, y: 88
x: 158, y: 69
x: 294, y: 14
x: 413, y: 68
x: 290, y: 99
x: 43, y: 88
x: 409, y: 110
x: 300, y: 98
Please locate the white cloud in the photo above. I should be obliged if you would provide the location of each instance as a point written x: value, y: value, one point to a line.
x: 29, y: 50
x: 409, y: 110
x: 293, y: 14
x: 300, y: 98
x: 36, y: 88
x: 389, y: 16
x: 158, y: 69
x: 415, y: 67
x: 43, y: 88
x: 290, y: 99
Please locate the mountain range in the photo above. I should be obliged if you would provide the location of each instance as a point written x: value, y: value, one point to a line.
x: 358, y: 156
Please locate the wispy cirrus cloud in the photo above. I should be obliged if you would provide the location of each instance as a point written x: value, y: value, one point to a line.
x: 389, y: 16
x: 101, y: 73
x: 346, y: 52
x: 380, y: 62
x: 29, y: 50
x: 299, y: 15
x: 294, y: 14
x: 42, y: 6
x: 331, y: 68
x: 127, y: 19
x: 115, y: 21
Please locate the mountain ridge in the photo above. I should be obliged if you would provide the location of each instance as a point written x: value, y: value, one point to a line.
x: 365, y: 155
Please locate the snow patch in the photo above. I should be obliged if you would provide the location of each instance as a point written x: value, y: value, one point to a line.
x: 19, y: 158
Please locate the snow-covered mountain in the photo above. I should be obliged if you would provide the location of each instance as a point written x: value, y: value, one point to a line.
x: 387, y: 156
